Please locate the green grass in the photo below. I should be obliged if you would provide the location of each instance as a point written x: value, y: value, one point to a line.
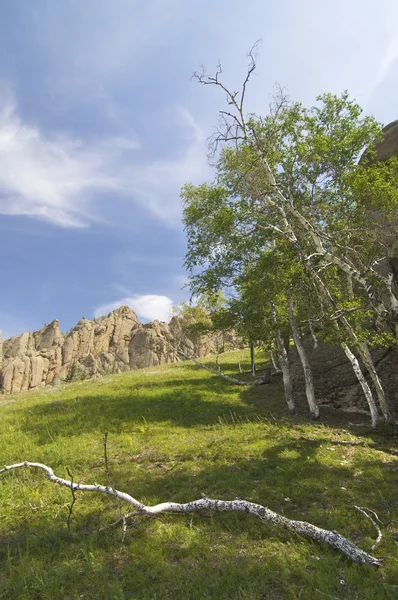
x: 176, y: 432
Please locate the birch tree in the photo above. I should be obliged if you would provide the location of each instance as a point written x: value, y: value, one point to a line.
x: 294, y: 175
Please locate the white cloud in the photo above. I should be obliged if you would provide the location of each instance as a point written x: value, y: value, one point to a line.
x: 57, y: 179
x: 147, y: 306
x: 53, y: 179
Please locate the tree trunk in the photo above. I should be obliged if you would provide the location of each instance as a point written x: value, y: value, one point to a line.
x: 274, y: 362
x: 309, y: 384
x: 284, y: 363
x: 313, y: 335
x: 369, y: 364
x: 252, y: 361
x: 286, y: 341
x: 368, y: 361
x: 364, y: 384
x: 333, y: 538
x: 362, y: 349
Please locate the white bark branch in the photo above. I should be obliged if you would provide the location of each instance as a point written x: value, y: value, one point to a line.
x: 375, y: 525
x: 363, y: 383
x: 218, y: 372
x: 333, y: 538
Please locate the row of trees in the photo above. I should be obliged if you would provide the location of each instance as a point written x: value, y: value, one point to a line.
x: 295, y: 230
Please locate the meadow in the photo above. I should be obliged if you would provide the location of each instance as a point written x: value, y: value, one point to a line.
x: 176, y: 432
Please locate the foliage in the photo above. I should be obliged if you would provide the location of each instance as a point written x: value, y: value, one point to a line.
x: 287, y: 215
x: 207, y: 314
x: 175, y: 432
x: 312, y: 154
x: 75, y: 373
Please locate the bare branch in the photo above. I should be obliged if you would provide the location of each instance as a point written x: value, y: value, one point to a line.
x: 332, y: 538
x: 218, y: 372
x: 252, y: 54
x: 71, y: 505
x: 363, y: 510
x: 232, y: 126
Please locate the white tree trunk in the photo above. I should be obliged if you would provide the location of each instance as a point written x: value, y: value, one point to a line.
x: 309, y: 384
x: 364, y: 384
x: 313, y: 335
x: 369, y: 364
x: 252, y: 360
x: 283, y: 360
x: 274, y: 361
x: 362, y: 349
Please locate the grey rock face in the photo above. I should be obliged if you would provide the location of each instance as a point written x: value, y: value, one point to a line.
x: 334, y: 379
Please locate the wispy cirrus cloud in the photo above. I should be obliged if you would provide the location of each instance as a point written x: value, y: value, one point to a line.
x: 53, y: 178
x: 147, y: 306
x: 59, y: 179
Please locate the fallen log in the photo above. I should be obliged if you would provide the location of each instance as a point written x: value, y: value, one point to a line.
x: 332, y: 538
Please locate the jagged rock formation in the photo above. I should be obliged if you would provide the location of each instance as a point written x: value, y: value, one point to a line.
x: 111, y: 344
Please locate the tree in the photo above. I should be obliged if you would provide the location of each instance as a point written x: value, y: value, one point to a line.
x: 292, y: 179
x: 268, y: 311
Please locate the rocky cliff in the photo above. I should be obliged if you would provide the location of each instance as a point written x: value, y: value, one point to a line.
x: 111, y: 344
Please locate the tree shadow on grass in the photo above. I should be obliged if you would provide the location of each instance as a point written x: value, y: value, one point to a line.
x: 185, y: 403
x: 177, y: 402
x: 269, y: 400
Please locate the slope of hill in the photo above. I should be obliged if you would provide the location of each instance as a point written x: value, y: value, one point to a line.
x: 176, y: 432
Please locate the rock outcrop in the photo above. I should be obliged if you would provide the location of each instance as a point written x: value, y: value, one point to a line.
x: 334, y: 379
x: 388, y: 145
x: 111, y: 344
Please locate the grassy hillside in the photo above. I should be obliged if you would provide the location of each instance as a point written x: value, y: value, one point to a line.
x: 176, y: 432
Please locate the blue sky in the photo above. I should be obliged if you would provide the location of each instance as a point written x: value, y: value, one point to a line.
x: 101, y: 125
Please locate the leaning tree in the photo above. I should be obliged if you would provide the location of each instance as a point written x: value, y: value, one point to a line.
x: 293, y: 178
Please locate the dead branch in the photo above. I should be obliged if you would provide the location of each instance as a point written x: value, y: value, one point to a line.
x: 218, y: 372
x: 332, y: 538
x: 363, y: 511
x: 72, y: 504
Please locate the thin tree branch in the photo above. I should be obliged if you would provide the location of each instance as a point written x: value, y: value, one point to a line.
x: 71, y: 505
x: 218, y: 372
x: 363, y: 512
x: 252, y: 54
